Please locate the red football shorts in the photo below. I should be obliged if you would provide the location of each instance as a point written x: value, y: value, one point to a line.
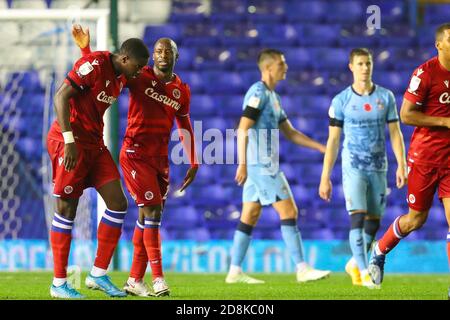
x: 422, y: 184
x: 94, y: 168
x: 146, y: 178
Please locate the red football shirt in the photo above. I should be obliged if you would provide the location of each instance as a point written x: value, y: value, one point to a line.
x: 430, y: 89
x: 98, y: 87
x: 152, y: 110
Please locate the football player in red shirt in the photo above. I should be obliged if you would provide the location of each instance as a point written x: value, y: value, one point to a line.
x: 81, y: 160
x: 157, y: 98
x: 426, y: 105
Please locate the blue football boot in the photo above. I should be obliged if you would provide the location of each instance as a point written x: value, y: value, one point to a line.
x: 104, y: 283
x: 65, y: 292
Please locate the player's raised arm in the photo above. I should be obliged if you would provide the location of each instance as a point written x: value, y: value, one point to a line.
x: 62, y: 107
x: 82, y: 38
x: 299, y: 138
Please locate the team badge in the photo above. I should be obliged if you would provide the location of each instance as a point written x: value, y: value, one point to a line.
x: 148, y: 195
x: 68, y: 189
x: 411, y: 198
x: 176, y: 93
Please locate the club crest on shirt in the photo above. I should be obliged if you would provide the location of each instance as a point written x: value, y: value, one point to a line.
x: 380, y: 104
x: 68, y: 189
x: 176, y: 93
x: 148, y: 195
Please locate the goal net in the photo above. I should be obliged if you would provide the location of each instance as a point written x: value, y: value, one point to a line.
x: 37, y: 52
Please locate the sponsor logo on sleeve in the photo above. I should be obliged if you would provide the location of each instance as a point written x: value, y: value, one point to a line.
x: 331, y: 113
x: 254, y: 102
x: 85, y: 68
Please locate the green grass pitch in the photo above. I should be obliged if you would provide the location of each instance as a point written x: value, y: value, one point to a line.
x: 35, y: 285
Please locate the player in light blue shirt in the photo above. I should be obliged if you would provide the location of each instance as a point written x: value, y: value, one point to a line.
x: 362, y: 110
x: 258, y: 170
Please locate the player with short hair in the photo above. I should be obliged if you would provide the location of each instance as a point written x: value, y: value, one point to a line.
x: 258, y: 169
x: 157, y: 98
x: 80, y: 159
x: 426, y: 105
x: 362, y: 111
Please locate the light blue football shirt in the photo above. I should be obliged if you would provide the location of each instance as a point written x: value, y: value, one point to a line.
x: 263, y: 140
x: 364, y: 120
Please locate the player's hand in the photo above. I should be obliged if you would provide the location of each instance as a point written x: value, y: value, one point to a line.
x: 241, y: 174
x: 325, y: 189
x: 322, y: 148
x: 402, y: 176
x: 70, y: 156
x: 80, y: 36
x: 190, y: 176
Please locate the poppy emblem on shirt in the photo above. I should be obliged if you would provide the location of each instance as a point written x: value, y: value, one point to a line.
x: 367, y: 107
x: 176, y: 93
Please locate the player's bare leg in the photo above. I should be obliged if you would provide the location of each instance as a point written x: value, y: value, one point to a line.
x: 60, y: 239
x: 400, y: 228
x: 287, y: 209
x: 242, y: 236
x: 108, y: 235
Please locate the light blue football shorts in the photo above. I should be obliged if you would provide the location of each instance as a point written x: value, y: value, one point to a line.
x: 364, y: 190
x: 265, y: 189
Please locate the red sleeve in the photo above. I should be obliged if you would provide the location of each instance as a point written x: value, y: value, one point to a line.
x: 187, y: 138
x: 185, y: 107
x: 85, y: 51
x: 418, y: 86
x: 83, y: 74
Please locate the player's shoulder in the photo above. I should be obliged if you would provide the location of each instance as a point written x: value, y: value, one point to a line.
x: 428, y: 67
x: 343, y: 95
x: 258, y: 88
x: 380, y: 90
x: 95, y: 59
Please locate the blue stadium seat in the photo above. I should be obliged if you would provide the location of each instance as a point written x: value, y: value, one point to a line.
x: 275, y: 35
x: 269, y: 11
x: 180, y: 217
x: 316, y: 106
x: 200, y: 34
x: 425, y: 35
x: 204, y: 105
x: 346, y: 11
x: 197, y: 234
x: 29, y: 81
x: 306, y: 11
x: 397, y: 36
x: 269, y: 218
x: 214, y: 58
x: 232, y: 10
x: 223, y: 82
x: 313, y: 35
x: 154, y: 32
x: 436, y: 13
x: 238, y: 34
x: 306, y: 82
x: 395, y: 81
x: 186, y: 58
x: 356, y: 36
x: 246, y: 58
x: 393, y: 11
x: 195, y: 80
x: 206, y: 175
x: 298, y: 58
x: 331, y: 59
x: 187, y: 11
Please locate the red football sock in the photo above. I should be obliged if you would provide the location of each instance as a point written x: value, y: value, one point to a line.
x: 108, y: 235
x: 391, y: 238
x: 140, y: 260
x: 152, y: 242
x: 60, y: 239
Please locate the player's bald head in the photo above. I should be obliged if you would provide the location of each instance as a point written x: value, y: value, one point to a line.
x: 268, y: 56
x: 440, y: 31
x: 167, y: 42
